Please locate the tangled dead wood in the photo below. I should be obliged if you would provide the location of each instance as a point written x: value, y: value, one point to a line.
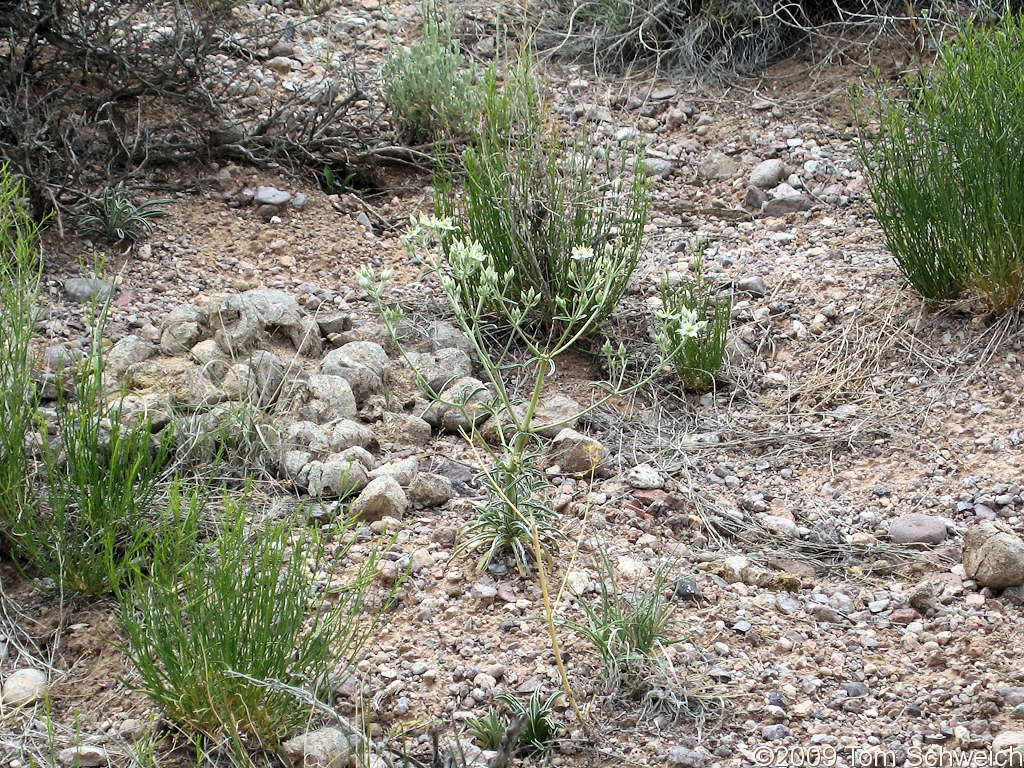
x: 93, y: 93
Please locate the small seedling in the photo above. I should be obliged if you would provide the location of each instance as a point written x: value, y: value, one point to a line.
x: 628, y: 630
x: 117, y: 219
x: 506, y: 520
x: 540, y: 726
x: 488, y: 730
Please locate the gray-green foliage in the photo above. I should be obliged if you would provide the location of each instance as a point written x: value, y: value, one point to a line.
x: 547, y: 223
x: 104, y: 474
x: 232, y: 636
x: 629, y: 630
x: 77, y: 505
x: 86, y: 512
x: 429, y: 87
x: 946, y: 171
x: 515, y: 508
x: 697, y: 357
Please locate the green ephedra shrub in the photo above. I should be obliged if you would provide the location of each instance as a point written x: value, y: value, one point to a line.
x: 946, y: 169
x: 19, y: 292
x: 232, y: 636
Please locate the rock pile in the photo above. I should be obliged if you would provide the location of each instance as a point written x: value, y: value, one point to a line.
x: 336, y: 414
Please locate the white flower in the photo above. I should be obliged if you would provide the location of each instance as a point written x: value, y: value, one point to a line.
x: 582, y: 253
x: 437, y: 224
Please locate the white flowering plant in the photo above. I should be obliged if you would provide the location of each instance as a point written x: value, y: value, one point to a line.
x: 563, y: 233
x: 693, y: 327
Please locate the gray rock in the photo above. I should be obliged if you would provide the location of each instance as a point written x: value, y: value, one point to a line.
x: 461, y: 406
x: 993, y: 556
x: 126, y: 353
x: 131, y: 729
x: 1014, y: 595
x: 855, y: 690
x: 916, y: 528
x: 182, y: 328
x: 787, y: 604
x: 240, y: 321
x: 305, y: 435
x: 922, y: 599
x: 57, y: 357
x: 775, y: 732
x: 329, y: 397
x: 559, y: 410
x: 382, y: 497
x: 235, y: 329
x: 23, y: 686
x: 271, y: 195
x: 779, y: 206
x: 681, y: 757
x: 83, y: 290
x: 364, y: 221
x: 441, y: 368
x: 348, y: 434
x: 336, y: 476
x: 767, y: 174
x: 686, y: 588
x: 825, y: 613
x: 323, y: 748
x: 293, y: 463
x: 755, y: 198
x: 1008, y: 749
x: 281, y: 48
x: 656, y: 166
x: 361, y: 455
x: 238, y: 384
x: 404, y: 470
x: 779, y: 526
x: 430, y: 490
x: 281, y: 64
x: 83, y: 756
x: 754, y: 285
x: 737, y: 353
x: 208, y: 352
x: 361, y: 364
x: 277, y: 312
x: 151, y: 408
x: 645, y: 477
x: 269, y: 375
x: 1013, y: 695
x: 334, y: 322
x: 300, y: 201
x: 443, y: 335
x: 403, y: 430
x: 576, y: 453
x: 553, y: 414
x: 718, y: 165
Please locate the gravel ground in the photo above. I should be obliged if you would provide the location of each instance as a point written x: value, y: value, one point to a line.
x: 847, y: 406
